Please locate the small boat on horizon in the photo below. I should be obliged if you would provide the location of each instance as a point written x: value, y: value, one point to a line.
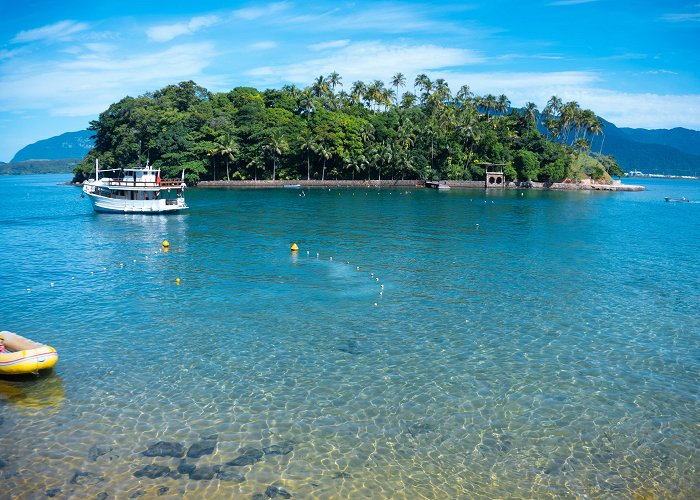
x: 293, y: 186
x: 22, y: 355
x: 677, y: 200
x: 138, y: 191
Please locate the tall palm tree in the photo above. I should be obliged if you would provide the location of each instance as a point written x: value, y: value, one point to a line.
x: 324, y: 152
x: 398, y: 80
x: 307, y: 143
x: 227, y: 148
x: 307, y: 105
x: 334, y: 79
x: 320, y: 86
x: 531, y: 114
x: 423, y: 83
x: 276, y: 146
x: 357, y: 92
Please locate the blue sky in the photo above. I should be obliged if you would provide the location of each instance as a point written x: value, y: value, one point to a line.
x: 634, y: 63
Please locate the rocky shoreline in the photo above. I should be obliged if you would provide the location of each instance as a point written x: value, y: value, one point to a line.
x: 389, y: 183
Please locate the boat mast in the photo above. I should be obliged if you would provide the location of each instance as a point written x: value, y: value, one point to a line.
x: 97, y: 169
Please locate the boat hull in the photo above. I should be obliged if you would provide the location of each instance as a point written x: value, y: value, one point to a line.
x: 25, y: 356
x: 116, y: 205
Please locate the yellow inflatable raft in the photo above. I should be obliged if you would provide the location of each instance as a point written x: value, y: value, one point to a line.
x: 24, y: 356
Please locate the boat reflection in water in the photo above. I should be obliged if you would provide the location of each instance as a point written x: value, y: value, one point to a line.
x: 32, y: 392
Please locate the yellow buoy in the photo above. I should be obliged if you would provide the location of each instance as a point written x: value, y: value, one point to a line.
x: 166, y: 243
x: 294, y: 247
x: 177, y: 280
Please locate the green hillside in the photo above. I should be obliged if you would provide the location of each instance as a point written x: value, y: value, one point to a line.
x: 64, y: 166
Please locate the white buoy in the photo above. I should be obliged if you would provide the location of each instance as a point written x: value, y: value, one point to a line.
x: 382, y: 286
x: 358, y: 268
x: 52, y: 283
x: 375, y: 304
x: 331, y: 258
x: 29, y: 290
x: 91, y: 272
x: 376, y: 279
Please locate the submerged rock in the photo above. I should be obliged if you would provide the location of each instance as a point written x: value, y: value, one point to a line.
x: 282, y: 448
x: 186, y: 468
x: 153, y: 471
x: 230, y: 475
x: 204, y: 472
x: 341, y: 475
x: 249, y: 456
x: 419, y: 428
x: 205, y: 447
x: 275, y: 491
x: 97, y: 451
x: 165, y: 449
x: 53, y: 492
x: 163, y: 490
x: 81, y: 477
x: 2, y: 463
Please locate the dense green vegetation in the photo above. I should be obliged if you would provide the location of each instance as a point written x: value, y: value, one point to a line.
x: 325, y: 131
x: 64, y: 166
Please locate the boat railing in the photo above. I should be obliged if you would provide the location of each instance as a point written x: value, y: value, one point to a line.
x: 149, y: 184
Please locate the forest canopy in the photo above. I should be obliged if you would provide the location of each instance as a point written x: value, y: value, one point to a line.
x: 325, y: 131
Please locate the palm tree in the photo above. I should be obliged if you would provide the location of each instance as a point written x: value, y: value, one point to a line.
x: 276, y: 146
x: 307, y: 143
x: 324, y: 152
x: 464, y: 96
x: 320, y: 87
x: 424, y: 84
x: 398, y: 80
x: 503, y: 104
x: 531, y: 114
x: 334, y: 79
x: 226, y: 149
x: 307, y: 105
x: 357, y: 92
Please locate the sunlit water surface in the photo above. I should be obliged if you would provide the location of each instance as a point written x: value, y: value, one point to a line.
x: 420, y: 344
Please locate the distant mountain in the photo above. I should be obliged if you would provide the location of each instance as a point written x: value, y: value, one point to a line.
x: 657, y: 151
x: 64, y: 166
x: 68, y: 145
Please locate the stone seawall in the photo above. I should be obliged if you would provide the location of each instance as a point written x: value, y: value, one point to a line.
x: 557, y: 186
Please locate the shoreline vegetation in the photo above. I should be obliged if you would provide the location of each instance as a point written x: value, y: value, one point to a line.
x: 388, y: 183
x: 369, y: 131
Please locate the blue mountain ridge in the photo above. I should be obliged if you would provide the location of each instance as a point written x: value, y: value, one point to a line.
x: 67, y: 145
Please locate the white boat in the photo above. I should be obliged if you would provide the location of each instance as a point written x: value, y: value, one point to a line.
x: 138, y: 191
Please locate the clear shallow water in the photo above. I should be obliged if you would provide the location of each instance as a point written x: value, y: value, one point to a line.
x: 553, y: 349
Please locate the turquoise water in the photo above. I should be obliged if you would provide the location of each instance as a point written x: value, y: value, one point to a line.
x: 421, y: 344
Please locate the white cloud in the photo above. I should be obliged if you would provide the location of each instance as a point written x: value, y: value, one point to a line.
x: 681, y: 18
x: 624, y: 109
x: 166, y: 32
x: 368, y: 61
x: 89, y: 83
x: 252, y: 13
x: 56, y: 31
x: 334, y: 44
x: 264, y: 45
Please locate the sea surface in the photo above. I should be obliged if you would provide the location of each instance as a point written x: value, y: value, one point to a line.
x: 420, y: 344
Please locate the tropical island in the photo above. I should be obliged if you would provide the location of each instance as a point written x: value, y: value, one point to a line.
x: 324, y: 132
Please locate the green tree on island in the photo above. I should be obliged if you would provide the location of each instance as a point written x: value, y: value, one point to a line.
x: 294, y: 133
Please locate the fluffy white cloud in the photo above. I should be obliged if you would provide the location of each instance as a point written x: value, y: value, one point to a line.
x: 59, y: 30
x: 87, y: 84
x: 166, y: 32
x: 368, y: 61
x: 333, y: 44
